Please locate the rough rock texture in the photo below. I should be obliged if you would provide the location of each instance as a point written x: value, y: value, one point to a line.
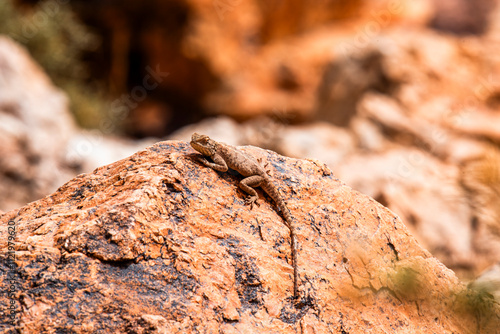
x: 158, y: 243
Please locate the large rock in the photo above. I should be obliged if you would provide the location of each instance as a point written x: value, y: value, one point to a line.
x: 157, y: 243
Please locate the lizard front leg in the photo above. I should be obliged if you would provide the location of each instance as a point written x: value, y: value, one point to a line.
x: 219, y: 164
x: 247, y: 185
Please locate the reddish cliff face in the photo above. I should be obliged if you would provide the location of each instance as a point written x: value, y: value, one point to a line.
x: 157, y: 243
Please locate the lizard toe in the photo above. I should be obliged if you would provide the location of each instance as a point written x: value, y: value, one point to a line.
x: 251, y: 201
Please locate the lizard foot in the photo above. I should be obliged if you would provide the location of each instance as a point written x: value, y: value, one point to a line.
x: 251, y: 201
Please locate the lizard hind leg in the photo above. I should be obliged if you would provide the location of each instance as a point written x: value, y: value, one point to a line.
x: 247, y: 185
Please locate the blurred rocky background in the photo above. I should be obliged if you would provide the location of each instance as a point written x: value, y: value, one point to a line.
x: 401, y: 98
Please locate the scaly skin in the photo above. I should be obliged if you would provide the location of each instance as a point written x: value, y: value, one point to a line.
x: 226, y: 156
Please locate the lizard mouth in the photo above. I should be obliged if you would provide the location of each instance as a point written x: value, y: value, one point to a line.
x: 200, y: 144
x: 200, y: 148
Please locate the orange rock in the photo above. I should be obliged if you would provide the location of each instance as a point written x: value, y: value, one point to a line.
x: 158, y: 243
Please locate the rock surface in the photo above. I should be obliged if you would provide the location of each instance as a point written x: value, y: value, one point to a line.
x: 157, y: 243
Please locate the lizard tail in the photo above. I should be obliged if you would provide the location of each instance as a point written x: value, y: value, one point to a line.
x: 289, y: 222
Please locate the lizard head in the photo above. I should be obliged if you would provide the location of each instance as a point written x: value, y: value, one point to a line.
x: 203, y: 144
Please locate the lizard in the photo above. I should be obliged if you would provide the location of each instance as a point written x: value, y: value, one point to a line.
x: 225, y: 156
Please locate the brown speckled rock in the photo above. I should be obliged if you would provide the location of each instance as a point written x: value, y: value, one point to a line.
x: 157, y: 243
